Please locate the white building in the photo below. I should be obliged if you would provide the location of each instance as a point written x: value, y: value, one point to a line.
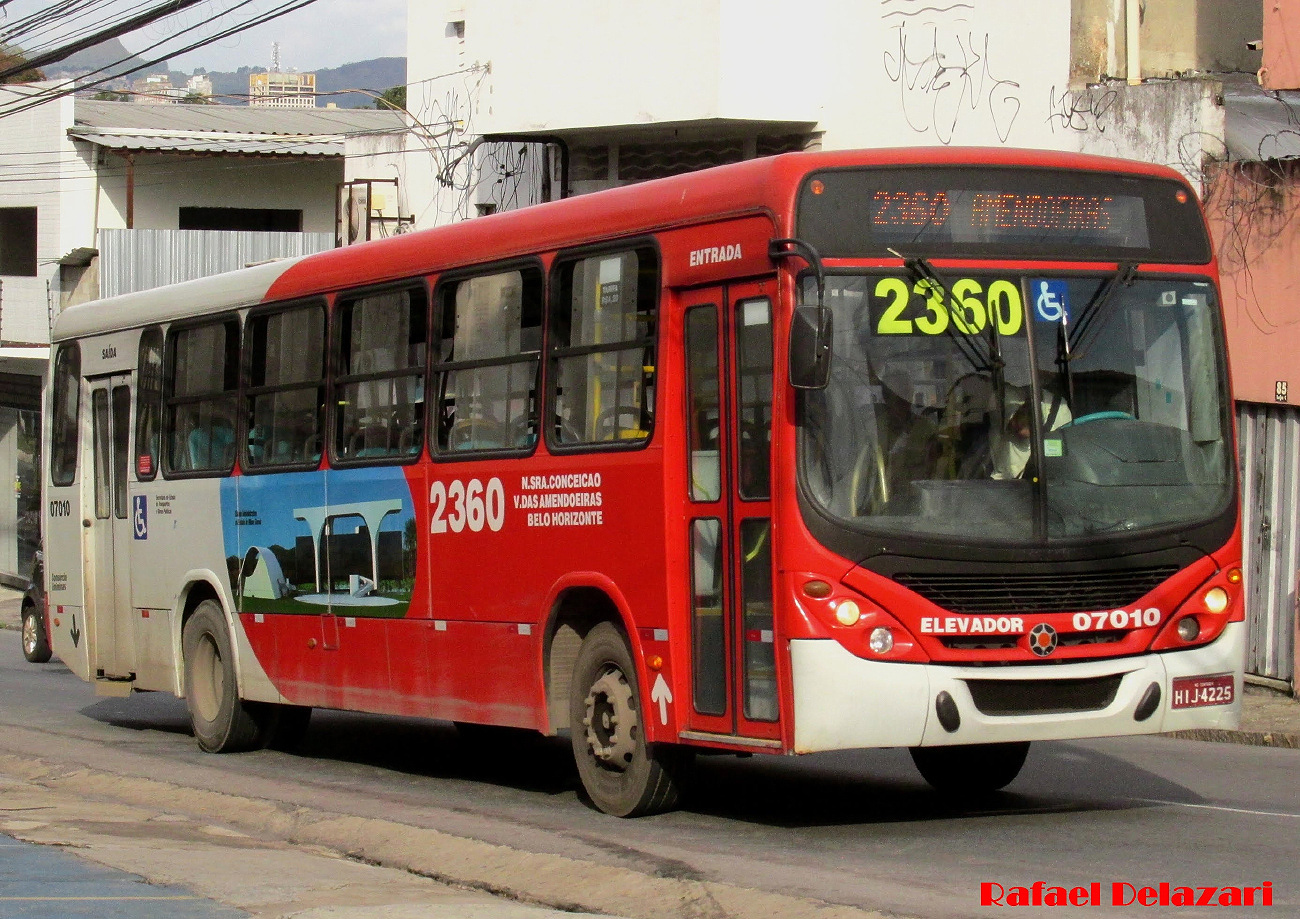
x: 198, y: 85
x: 641, y: 89
x: 276, y: 89
x: 74, y: 169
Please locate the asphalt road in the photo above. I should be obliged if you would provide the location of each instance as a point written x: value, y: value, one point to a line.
x: 40, y: 882
x: 859, y: 828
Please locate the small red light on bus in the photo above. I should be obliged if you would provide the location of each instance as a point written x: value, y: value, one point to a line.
x: 818, y: 590
x: 655, y: 662
x: 1234, y: 576
x: 816, y: 186
x: 1180, y: 196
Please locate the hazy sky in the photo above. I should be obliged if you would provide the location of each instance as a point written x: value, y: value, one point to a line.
x: 324, y: 34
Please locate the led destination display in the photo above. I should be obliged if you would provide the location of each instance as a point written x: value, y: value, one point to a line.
x: 1000, y: 212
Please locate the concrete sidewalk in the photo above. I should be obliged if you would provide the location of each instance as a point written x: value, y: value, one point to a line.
x: 143, y: 862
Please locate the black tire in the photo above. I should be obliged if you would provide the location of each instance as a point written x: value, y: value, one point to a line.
x: 36, y: 644
x: 222, y: 722
x: 972, y: 769
x: 623, y: 775
x: 290, y: 729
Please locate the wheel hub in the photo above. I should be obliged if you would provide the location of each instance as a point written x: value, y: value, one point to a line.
x: 29, y: 634
x: 611, y: 720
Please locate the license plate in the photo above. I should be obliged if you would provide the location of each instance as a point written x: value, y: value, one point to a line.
x: 1196, y: 691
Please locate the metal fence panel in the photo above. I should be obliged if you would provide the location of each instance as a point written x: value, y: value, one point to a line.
x: 1269, y: 441
x: 133, y: 260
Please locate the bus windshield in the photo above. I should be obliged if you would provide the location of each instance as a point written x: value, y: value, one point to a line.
x: 928, y: 426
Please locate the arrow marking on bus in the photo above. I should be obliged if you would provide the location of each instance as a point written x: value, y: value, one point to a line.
x: 663, y: 695
x: 75, y: 632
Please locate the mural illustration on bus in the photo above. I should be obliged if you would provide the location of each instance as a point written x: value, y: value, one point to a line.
x: 291, y: 549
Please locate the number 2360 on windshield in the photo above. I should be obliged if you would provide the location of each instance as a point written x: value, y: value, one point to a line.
x: 970, y: 307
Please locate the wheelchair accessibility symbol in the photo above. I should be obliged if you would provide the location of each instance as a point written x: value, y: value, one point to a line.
x: 1051, y: 301
x: 139, y: 517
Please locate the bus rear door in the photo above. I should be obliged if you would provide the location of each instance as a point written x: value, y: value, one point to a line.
x: 728, y: 334
x: 106, y: 534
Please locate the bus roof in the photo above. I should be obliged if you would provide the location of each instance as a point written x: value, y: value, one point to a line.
x: 767, y: 185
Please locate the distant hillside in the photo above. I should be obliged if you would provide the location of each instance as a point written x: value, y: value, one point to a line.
x: 105, y: 54
x: 375, y: 75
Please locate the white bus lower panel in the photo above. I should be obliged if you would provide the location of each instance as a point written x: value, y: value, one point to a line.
x: 844, y: 702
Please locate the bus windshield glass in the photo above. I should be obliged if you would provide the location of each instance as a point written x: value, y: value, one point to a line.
x: 928, y: 428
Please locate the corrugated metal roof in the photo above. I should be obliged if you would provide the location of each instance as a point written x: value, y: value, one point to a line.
x: 1261, y: 125
x: 229, y: 129
x: 239, y: 119
x: 216, y: 142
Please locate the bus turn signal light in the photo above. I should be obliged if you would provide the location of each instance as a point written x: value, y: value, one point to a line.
x: 1234, y: 576
x: 818, y: 590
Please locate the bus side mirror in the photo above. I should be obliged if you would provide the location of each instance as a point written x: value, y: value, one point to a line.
x: 810, y: 347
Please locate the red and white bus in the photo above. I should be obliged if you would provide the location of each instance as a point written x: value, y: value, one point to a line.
x: 897, y: 448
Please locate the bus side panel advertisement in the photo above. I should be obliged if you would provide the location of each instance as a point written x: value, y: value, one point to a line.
x: 290, y: 549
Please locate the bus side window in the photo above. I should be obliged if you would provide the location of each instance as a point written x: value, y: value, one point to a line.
x: 381, y: 341
x: 285, y: 398
x: 489, y: 349
x: 754, y: 396
x: 603, y: 349
x: 200, y: 385
x: 65, y: 406
x: 148, y: 404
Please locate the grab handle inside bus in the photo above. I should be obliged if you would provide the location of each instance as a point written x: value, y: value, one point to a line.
x: 810, y: 328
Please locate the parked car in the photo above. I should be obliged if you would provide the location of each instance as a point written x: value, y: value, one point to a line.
x: 36, y: 635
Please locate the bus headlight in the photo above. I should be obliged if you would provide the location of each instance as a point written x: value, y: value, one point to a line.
x: 1188, y: 628
x: 847, y: 612
x: 1216, y: 600
x: 882, y: 640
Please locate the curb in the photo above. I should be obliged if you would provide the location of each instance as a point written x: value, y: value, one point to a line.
x: 1282, y: 739
x: 552, y: 881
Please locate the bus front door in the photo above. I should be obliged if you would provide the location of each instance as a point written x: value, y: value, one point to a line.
x: 106, y: 533
x: 728, y: 336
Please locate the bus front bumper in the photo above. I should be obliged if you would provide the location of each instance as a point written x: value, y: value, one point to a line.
x: 845, y: 702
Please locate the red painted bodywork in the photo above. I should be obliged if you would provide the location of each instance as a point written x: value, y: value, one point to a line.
x: 473, y: 645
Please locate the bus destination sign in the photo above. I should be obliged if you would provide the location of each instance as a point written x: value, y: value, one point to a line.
x: 999, y: 213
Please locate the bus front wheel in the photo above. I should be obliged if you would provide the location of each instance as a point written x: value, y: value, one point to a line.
x: 623, y: 775
x: 971, y: 768
x: 223, y: 723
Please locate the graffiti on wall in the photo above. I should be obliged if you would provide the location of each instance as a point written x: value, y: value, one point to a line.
x: 1082, y: 110
x: 943, y: 69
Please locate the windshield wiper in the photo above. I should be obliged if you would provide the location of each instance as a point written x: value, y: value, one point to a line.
x: 968, y: 344
x: 1123, y: 277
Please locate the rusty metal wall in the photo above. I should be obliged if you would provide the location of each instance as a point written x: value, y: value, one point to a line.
x: 132, y: 260
x: 1269, y: 444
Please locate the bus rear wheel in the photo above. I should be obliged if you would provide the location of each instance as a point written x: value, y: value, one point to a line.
x: 36, y: 645
x: 223, y: 723
x: 971, y: 768
x: 623, y: 775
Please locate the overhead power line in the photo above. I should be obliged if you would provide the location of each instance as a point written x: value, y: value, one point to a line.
x: 64, y: 89
x: 89, y: 41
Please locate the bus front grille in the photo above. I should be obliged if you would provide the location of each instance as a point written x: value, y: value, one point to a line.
x: 1043, y: 697
x: 985, y: 593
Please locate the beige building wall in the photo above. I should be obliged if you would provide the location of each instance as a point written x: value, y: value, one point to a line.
x: 1281, y: 67
x: 164, y: 184
x: 1254, y: 211
x: 1174, y: 37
